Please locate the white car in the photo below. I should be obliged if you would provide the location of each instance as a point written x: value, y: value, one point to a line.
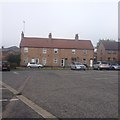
x: 77, y: 66
x: 100, y: 65
x: 34, y: 65
x: 115, y: 66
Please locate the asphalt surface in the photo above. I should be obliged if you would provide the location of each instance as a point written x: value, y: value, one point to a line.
x: 64, y: 93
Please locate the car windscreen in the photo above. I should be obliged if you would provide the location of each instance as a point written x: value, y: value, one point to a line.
x: 104, y: 62
x: 78, y: 63
x: 32, y: 63
x: 4, y: 62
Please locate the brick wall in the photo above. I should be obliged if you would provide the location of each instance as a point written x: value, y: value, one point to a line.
x: 55, y: 59
x: 106, y: 55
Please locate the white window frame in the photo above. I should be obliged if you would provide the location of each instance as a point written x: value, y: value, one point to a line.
x: 44, y: 61
x: 56, y: 51
x: 73, y: 51
x: 109, y: 52
x: 35, y: 60
x: 44, y: 50
x: 25, y: 49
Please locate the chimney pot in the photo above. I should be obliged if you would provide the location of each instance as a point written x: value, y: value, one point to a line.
x: 76, y: 37
x: 50, y: 35
x: 22, y: 35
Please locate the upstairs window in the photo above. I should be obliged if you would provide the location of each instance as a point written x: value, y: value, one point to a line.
x: 55, y: 50
x: 25, y: 49
x: 73, y: 51
x: 114, y: 52
x: 109, y: 52
x: 44, y: 50
x: 85, y: 51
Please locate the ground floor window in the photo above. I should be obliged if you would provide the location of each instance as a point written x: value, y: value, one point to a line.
x: 84, y: 61
x: 108, y: 58
x: 114, y: 59
x: 35, y: 60
x: 73, y: 59
x: 26, y: 60
x: 44, y: 61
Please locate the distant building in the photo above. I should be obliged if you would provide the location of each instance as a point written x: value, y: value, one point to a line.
x: 6, y: 52
x: 108, y: 51
x: 55, y: 52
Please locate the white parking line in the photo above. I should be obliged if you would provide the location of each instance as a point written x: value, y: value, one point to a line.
x: 31, y: 104
x: 2, y: 88
x: 0, y: 115
x: 15, y: 72
x: 6, y: 100
x: 101, y: 78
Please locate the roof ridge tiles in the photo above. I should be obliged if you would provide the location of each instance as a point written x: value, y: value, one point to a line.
x: 57, y: 39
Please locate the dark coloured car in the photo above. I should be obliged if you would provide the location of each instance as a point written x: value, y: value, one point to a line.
x: 4, y: 65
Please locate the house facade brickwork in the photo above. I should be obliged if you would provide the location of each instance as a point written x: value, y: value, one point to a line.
x: 6, y: 52
x: 55, y: 52
x: 108, y: 51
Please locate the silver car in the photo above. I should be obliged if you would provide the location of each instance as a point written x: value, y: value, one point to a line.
x: 77, y: 66
x: 100, y: 65
x: 115, y: 66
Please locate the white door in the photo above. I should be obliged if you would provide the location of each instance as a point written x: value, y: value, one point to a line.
x: 91, y: 63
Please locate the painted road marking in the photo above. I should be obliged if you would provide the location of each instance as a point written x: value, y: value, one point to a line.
x: 31, y: 104
x: 101, y: 78
x: 2, y: 88
x: 15, y: 72
x: 0, y: 115
x: 6, y: 100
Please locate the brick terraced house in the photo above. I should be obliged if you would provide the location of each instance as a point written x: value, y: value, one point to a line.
x: 108, y: 51
x: 55, y: 52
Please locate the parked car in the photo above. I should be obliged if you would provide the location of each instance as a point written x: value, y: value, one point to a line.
x: 100, y: 65
x: 4, y: 65
x: 34, y: 65
x: 77, y: 66
x: 115, y: 66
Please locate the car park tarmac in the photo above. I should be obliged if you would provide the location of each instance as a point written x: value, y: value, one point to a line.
x: 67, y: 93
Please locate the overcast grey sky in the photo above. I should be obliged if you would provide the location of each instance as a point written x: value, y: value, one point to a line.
x: 91, y: 20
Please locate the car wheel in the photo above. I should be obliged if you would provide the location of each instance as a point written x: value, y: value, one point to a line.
x: 99, y: 68
x: 113, y: 68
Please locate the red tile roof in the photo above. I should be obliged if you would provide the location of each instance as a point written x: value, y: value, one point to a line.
x: 56, y: 43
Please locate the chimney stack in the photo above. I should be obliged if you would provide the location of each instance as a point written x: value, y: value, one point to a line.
x: 50, y: 36
x: 76, y: 37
